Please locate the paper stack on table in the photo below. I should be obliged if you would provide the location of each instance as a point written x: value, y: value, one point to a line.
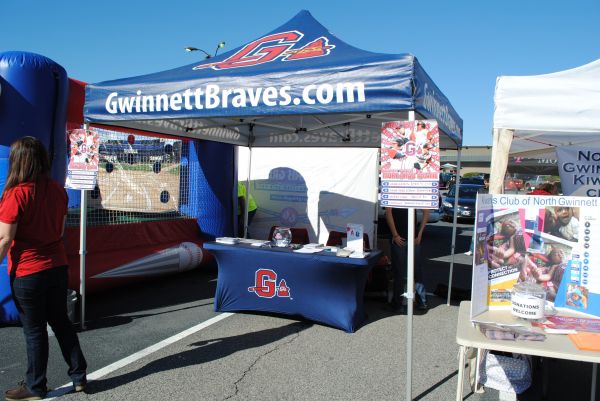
x: 227, y: 240
x: 308, y: 250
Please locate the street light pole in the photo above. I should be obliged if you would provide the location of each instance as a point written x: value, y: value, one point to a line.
x: 190, y: 49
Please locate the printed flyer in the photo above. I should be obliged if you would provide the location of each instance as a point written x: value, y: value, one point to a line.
x: 546, y: 239
x: 82, y: 171
x: 410, y: 164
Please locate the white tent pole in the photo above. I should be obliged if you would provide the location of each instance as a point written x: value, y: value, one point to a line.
x: 410, y: 290
x: 452, y: 250
x: 82, y: 249
x: 502, y: 139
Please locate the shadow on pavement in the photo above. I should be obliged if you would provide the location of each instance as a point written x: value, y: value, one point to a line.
x: 202, y: 352
x: 121, y: 305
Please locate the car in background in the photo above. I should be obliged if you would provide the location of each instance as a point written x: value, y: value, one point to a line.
x: 514, y: 184
x: 467, y: 196
x: 477, y: 180
x: 434, y: 216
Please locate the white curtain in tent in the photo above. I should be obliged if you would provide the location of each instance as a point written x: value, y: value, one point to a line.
x: 321, y: 189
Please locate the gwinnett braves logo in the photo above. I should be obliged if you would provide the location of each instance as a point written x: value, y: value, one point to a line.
x: 265, y: 285
x: 273, y: 47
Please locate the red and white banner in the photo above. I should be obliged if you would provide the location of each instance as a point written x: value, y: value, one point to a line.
x: 410, y: 164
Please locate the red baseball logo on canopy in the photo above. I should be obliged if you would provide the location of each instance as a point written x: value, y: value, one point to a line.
x: 270, y: 48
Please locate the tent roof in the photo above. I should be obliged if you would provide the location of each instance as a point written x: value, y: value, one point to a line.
x: 550, y: 110
x: 298, y: 85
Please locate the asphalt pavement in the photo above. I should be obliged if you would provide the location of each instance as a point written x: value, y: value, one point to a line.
x: 161, y: 339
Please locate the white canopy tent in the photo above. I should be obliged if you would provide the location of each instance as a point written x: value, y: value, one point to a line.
x: 533, y: 115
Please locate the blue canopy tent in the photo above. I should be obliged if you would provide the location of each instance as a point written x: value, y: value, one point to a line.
x: 298, y: 85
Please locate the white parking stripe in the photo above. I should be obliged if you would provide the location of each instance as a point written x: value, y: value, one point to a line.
x: 67, y: 388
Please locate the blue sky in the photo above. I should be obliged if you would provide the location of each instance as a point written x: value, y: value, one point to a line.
x: 463, y: 45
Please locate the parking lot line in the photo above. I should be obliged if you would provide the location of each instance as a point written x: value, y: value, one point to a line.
x: 67, y: 388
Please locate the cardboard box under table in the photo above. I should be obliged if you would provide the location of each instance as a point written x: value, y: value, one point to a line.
x: 321, y: 286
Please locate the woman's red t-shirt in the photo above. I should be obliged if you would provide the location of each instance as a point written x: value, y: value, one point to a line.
x: 39, y: 210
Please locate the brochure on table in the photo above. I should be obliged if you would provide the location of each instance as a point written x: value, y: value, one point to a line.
x: 550, y: 239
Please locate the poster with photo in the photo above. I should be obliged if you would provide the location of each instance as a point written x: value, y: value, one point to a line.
x: 82, y: 171
x: 544, y: 239
x: 84, y: 150
x: 410, y: 164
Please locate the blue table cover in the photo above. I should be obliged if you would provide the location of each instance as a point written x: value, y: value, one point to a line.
x: 320, y: 287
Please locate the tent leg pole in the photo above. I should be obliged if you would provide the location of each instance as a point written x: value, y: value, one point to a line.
x: 374, y: 237
x: 247, y: 200
x: 82, y: 250
x: 452, y: 247
x: 410, y: 289
x: 410, y: 295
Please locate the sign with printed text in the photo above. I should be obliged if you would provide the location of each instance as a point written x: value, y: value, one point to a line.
x: 354, y: 237
x: 410, y: 164
x: 82, y: 171
x: 579, y: 171
x: 546, y: 239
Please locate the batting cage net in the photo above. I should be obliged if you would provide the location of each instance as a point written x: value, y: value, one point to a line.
x: 139, y: 179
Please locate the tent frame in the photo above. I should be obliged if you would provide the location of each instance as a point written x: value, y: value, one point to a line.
x: 408, y: 93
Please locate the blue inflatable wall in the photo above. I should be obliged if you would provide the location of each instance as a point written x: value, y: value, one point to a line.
x: 207, y: 172
x: 33, y: 101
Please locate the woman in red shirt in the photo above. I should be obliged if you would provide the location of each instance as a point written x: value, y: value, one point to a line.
x: 33, y: 209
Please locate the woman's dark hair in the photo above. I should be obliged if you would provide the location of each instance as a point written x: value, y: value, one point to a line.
x: 28, y: 162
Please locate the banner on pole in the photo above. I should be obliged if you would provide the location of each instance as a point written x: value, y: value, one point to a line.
x: 410, y: 164
x: 82, y: 172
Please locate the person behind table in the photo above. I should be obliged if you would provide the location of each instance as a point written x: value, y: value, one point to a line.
x: 242, y: 208
x: 397, y: 220
x: 33, y: 210
x: 544, y: 188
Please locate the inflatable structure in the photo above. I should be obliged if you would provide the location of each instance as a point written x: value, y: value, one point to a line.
x: 33, y: 101
x: 156, y: 201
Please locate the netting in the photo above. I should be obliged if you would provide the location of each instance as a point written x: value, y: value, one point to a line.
x: 140, y: 178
